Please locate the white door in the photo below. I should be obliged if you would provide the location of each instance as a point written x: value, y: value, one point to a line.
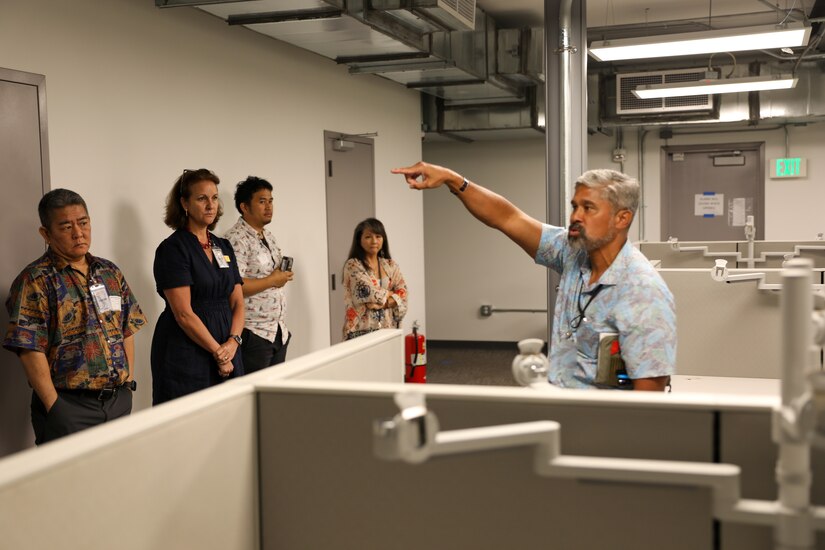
x: 350, y: 178
x: 23, y: 180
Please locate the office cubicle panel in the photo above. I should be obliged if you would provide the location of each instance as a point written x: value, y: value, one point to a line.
x: 815, y: 250
x: 724, y: 329
x: 675, y: 259
x: 329, y: 491
x: 374, y: 357
x: 182, y: 475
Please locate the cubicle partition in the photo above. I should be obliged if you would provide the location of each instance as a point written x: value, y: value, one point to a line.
x: 727, y: 329
x: 284, y: 459
x: 329, y: 490
x: 181, y: 475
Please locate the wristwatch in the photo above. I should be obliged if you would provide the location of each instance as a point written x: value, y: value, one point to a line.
x: 237, y: 338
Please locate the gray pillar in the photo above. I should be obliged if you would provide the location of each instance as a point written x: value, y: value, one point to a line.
x: 565, y: 31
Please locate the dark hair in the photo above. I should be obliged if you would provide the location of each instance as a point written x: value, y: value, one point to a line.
x: 55, y: 200
x: 248, y: 187
x: 374, y: 225
x: 175, y: 216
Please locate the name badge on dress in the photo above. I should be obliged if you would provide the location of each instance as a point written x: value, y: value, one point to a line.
x: 100, y: 298
x: 219, y: 257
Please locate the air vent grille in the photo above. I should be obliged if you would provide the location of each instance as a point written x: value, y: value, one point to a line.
x: 629, y: 104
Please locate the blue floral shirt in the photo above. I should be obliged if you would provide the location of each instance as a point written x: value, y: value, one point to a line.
x: 629, y: 299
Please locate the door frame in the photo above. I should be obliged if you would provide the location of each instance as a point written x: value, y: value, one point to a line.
x: 332, y: 271
x: 39, y: 82
x: 664, y: 187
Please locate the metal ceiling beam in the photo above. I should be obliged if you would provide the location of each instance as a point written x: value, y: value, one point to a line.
x: 284, y: 16
x: 180, y: 3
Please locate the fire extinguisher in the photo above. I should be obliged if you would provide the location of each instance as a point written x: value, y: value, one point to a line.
x: 415, y: 357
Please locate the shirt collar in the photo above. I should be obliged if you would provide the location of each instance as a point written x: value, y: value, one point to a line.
x: 60, y: 263
x: 615, y: 272
x: 251, y: 230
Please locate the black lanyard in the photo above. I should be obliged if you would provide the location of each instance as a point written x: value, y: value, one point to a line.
x: 576, y: 322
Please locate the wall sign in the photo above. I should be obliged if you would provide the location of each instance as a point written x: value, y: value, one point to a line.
x: 795, y: 167
x: 709, y: 205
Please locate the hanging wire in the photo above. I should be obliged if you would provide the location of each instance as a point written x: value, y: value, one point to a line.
x: 733, y: 69
x: 789, y: 13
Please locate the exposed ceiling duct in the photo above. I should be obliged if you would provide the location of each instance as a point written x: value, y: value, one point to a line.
x: 479, y: 81
x: 449, y: 49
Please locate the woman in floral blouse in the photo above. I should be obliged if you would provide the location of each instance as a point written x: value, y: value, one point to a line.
x: 375, y: 293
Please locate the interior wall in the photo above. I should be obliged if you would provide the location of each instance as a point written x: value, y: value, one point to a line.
x: 136, y: 94
x: 791, y: 205
x: 469, y: 264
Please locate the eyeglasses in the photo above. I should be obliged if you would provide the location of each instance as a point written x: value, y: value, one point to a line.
x: 200, y: 173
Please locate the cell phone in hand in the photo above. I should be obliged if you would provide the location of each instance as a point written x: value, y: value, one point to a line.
x: 286, y: 263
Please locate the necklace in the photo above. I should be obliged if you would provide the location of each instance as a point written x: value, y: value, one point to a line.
x: 207, y: 245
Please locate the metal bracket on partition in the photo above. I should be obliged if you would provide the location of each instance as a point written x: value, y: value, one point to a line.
x: 721, y: 274
x: 737, y: 256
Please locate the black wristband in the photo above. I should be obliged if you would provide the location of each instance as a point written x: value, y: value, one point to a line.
x: 462, y: 188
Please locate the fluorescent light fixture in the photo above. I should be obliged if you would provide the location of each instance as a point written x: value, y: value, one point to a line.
x: 694, y: 43
x: 708, y: 86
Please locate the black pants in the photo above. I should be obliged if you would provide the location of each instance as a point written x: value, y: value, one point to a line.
x: 259, y: 353
x: 73, y: 412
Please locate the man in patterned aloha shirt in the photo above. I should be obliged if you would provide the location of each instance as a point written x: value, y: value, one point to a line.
x: 265, y: 335
x: 72, y: 320
x: 615, y: 319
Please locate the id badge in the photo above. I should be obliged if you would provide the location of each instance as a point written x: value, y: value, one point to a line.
x: 219, y: 257
x: 100, y: 298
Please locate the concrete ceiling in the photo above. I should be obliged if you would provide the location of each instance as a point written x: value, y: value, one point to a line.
x: 603, y: 13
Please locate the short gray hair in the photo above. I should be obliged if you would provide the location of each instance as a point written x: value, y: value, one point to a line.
x: 55, y: 200
x: 620, y: 190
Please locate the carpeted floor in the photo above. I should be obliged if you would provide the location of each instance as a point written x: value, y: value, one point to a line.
x: 482, y: 363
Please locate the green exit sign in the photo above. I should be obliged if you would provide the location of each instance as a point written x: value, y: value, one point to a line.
x: 789, y: 168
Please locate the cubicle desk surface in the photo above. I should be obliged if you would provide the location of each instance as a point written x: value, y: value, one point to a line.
x: 321, y: 486
x: 726, y: 385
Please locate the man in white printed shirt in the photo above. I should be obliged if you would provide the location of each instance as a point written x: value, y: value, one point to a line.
x: 265, y: 335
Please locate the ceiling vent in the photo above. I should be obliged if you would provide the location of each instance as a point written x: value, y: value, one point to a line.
x: 629, y: 104
x: 451, y: 15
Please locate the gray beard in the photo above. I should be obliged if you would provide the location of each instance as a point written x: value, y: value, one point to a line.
x: 583, y: 242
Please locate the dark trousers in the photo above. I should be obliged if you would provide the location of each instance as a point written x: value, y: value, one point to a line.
x: 75, y: 411
x: 259, y: 353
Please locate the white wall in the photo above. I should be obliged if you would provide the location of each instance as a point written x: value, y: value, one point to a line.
x: 136, y: 94
x: 792, y: 206
x: 469, y: 264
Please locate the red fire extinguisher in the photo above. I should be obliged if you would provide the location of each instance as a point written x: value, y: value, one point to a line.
x: 415, y: 357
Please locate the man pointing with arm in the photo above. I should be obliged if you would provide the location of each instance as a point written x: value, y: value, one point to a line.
x: 611, y: 302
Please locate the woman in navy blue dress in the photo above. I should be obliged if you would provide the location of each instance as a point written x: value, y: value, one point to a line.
x: 197, y: 335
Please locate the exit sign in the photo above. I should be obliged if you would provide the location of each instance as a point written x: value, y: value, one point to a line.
x: 789, y: 168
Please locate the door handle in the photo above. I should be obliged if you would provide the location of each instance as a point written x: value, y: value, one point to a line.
x: 333, y: 281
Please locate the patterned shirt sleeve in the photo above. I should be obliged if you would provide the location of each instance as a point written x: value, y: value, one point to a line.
x: 133, y: 317
x: 398, y: 288
x: 647, y: 328
x: 552, y: 247
x: 28, y: 308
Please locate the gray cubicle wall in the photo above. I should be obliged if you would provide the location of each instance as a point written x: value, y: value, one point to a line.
x: 815, y: 250
x: 330, y: 492
x: 726, y: 329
